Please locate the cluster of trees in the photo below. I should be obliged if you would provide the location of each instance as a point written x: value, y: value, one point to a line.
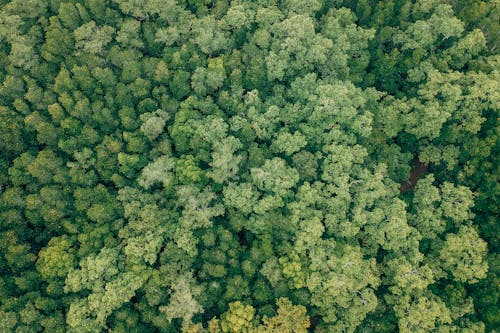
x: 235, y: 166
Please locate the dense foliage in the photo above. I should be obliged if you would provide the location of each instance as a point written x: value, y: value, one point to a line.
x: 249, y: 166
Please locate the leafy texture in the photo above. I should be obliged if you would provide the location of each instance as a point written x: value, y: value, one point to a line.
x: 249, y: 166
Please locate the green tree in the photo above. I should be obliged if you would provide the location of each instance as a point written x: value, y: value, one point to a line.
x: 463, y: 255
x: 289, y: 318
x: 182, y: 302
x: 93, y: 39
x: 238, y: 318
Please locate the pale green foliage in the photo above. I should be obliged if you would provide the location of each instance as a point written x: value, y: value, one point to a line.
x: 386, y: 225
x: 296, y: 48
x: 338, y: 115
x: 423, y: 315
x: 68, y: 14
x: 116, y: 292
x: 198, y: 212
x: 224, y: 161
x: 128, y: 36
x: 409, y: 277
x: 79, y: 318
x: 198, y: 209
x: 211, y: 130
x: 239, y: 16
x: 263, y: 123
x: 302, y: 7
x: 142, y: 9
x: 431, y: 119
x: 182, y: 302
x: 46, y: 167
x: 463, y: 255
x: 109, y: 289
x: 427, y: 220
x: 144, y: 247
x: 248, y: 166
x: 457, y: 202
x: 292, y: 270
x: 339, y: 26
x: 93, y: 39
x: 440, y: 154
x: 238, y: 318
x: 306, y: 219
x: 153, y: 123
x: 26, y: 9
x: 271, y: 270
x: 240, y: 196
x: 453, y: 102
x: 94, y: 271
x: 146, y: 230
x: 208, y: 35
x: 274, y: 176
x: 90, y: 314
x: 161, y: 72
x: 433, y: 206
x: 207, y: 80
x: 158, y: 171
x: 289, y: 318
x: 288, y: 143
x: 467, y: 48
x: 425, y: 33
x: 22, y: 53
x: 339, y: 162
x: 57, y: 258
x: 336, y: 275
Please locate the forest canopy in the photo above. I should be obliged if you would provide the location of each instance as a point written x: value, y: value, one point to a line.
x: 249, y: 166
